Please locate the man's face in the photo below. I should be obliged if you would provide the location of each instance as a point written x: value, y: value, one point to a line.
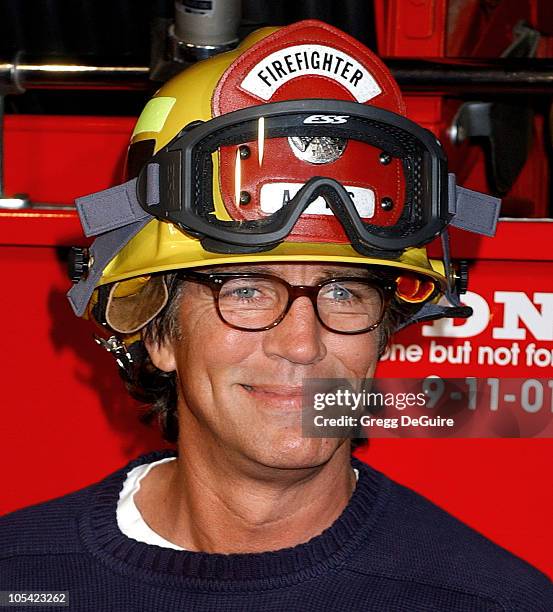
x: 241, y: 390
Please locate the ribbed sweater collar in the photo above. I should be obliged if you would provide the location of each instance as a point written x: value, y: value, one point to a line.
x: 234, y: 572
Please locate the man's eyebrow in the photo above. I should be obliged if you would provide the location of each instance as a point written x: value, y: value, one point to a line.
x: 337, y: 272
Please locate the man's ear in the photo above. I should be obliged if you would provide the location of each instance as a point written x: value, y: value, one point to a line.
x: 162, y: 355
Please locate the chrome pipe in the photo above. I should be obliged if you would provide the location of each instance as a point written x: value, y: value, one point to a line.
x: 447, y: 76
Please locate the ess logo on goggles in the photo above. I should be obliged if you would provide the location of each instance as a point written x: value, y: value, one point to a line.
x: 327, y: 119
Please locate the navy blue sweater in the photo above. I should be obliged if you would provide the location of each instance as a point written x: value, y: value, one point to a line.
x: 390, y: 550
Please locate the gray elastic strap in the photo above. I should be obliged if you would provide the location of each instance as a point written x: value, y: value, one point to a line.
x: 110, y: 209
x: 452, y: 193
x: 475, y: 212
x: 102, y: 251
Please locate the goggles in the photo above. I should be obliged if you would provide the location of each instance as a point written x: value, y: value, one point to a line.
x: 381, y: 180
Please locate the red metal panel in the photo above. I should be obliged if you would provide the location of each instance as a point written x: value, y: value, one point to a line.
x: 469, y: 28
x: 530, y: 194
x: 66, y: 420
x: 41, y: 228
x: 519, y: 240
x: 56, y: 159
x: 414, y: 27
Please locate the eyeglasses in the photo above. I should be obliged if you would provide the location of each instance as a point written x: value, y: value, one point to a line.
x: 256, y: 302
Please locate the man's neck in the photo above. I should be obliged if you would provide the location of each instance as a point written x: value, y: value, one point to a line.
x: 212, y: 507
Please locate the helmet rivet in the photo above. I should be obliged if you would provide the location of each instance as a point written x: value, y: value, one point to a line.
x: 244, y: 152
x: 386, y: 203
x: 385, y: 158
x: 245, y: 197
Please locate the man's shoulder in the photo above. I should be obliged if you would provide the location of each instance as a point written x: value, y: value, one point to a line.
x: 414, y: 539
x: 47, y: 527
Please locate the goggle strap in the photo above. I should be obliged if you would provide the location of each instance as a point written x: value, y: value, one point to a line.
x: 452, y: 193
x: 111, y: 209
x: 102, y: 251
x: 473, y: 211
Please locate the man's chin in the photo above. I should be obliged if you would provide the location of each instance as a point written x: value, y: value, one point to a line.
x: 298, y: 453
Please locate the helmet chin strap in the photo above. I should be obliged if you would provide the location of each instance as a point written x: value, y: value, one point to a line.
x: 118, y: 350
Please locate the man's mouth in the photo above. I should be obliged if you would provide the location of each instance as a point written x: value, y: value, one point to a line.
x: 278, y: 396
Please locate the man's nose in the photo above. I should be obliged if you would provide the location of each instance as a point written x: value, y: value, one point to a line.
x: 298, y: 337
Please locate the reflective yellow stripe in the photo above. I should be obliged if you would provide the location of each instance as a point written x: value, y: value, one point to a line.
x: 152, y: 118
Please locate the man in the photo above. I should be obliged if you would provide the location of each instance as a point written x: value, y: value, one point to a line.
x: 270, y: 232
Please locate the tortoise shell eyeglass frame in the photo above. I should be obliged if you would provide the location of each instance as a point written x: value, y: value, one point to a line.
x: 216, y: 281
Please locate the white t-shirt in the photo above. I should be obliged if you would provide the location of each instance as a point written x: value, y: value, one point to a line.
x: 130, y: 520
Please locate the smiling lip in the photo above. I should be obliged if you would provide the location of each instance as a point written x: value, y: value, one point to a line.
x: 276, y: 395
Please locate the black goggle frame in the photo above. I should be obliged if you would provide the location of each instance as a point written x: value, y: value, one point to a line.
x: 176, y: 184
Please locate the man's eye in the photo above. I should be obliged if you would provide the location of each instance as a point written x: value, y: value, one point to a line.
x: 244, y: 293
x: 338, y: 293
